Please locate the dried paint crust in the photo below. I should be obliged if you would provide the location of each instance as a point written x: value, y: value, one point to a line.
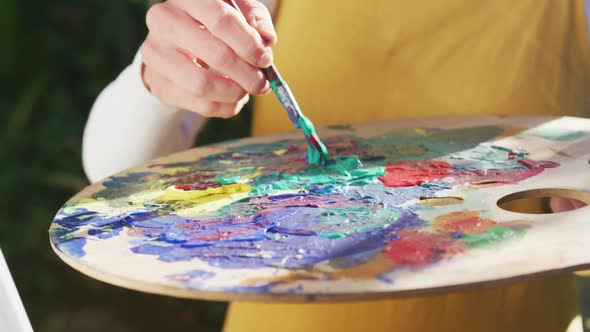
x: 262, y: 205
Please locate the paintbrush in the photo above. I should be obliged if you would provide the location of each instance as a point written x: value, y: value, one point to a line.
x: 317, y: 153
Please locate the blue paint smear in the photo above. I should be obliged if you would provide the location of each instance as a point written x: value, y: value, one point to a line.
x: 201, y: 274
x: 292, y: 233
x: 73, y: 247
x: 385, y: 279
x: 104, y: 227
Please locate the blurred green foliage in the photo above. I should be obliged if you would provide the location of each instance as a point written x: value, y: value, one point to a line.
x: 56, y: 58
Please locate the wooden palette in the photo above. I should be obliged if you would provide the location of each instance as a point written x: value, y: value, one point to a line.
x: 406, y: 207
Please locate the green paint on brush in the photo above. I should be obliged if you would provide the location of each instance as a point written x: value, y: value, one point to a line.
x: 228, y: 180
x: 317, y: 153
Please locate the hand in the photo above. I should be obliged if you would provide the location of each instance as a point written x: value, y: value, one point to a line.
x: 186, y: 37
x: 561, y: 204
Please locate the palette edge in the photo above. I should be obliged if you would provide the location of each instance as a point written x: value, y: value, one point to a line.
x: 224, y: 296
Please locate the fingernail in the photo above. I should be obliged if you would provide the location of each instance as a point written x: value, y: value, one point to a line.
x: 242, y: 102
x: 270, y: 39
x: 266, y: 59
x: 266, y: 89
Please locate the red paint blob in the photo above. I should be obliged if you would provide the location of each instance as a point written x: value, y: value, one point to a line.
x: 414, y: 173
x: 416, y: 249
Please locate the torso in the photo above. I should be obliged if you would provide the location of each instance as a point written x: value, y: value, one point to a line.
x: 365, y: 60
x: 353, y: 61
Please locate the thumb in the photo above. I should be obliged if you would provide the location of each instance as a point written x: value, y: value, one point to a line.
x: 260, y: 19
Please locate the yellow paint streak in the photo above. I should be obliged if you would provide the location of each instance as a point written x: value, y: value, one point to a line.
x: 89, y: 200
x: 252, y: 175
x: 421, y: 132
x: 179, y: 170
x: 280, y: 152
x: 173, y: 194
x: 209, y: 204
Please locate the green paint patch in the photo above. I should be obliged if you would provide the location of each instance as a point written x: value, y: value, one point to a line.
x: 228, y: 180
x: 491, y: 236
x: 559, y: 134
x: 333, y: 236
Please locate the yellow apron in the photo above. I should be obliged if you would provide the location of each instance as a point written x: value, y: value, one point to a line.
x: 352, y: 61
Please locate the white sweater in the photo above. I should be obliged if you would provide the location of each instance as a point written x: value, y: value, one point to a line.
x: 128, y: 126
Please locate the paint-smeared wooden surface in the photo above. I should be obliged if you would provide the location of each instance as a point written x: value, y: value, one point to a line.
x: 408, y: 207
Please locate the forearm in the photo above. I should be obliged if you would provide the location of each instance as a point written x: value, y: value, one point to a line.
x: 127, y: 126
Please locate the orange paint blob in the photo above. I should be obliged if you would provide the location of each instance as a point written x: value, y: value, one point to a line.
x: 466, y: 222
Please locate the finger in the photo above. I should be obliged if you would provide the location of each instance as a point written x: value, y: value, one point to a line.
x: 184, y: 32
x: 172, y: 95
x: 196, y: 80
x: 260, y: 19
x: 558, y: 204
x: 578, y: 204
x: 561, y: 204
x: 231, y: 27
